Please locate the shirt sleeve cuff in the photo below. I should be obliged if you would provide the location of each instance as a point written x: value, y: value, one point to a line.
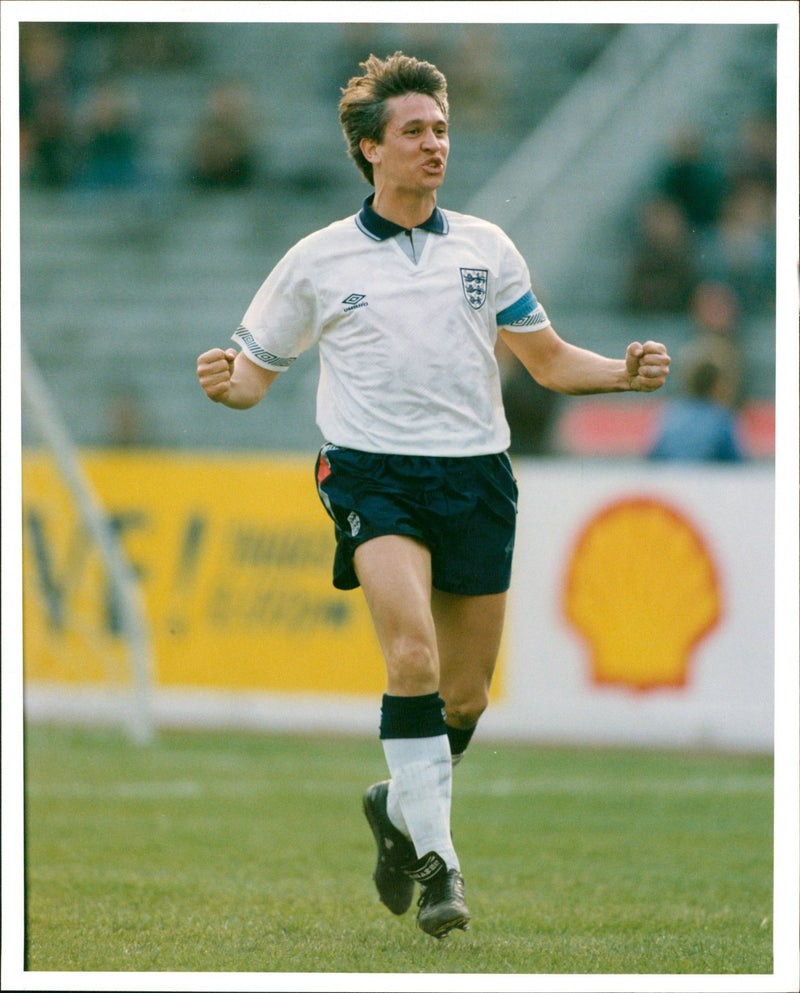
x: 527, y: 314
x: 257, y: 353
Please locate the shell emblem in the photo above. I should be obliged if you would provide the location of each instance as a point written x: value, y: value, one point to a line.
x: 643, y: 591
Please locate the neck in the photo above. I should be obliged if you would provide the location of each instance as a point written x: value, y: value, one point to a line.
x: 408, y: 211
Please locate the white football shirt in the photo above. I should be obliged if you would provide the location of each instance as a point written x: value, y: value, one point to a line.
x: 406, y: 324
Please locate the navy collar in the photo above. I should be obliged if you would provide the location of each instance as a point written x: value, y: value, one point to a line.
x: 379, y: 228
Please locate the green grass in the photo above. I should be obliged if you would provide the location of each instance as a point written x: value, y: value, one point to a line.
x: 235, y: 852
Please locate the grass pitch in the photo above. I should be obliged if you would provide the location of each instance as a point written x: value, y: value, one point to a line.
x: 240, y: 853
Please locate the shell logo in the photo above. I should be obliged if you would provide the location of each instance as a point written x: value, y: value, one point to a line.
x: 643, y: 591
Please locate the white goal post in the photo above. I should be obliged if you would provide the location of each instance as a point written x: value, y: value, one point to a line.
x: 134, y: 625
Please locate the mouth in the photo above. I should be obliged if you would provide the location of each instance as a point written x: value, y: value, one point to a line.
x: 434, y: 166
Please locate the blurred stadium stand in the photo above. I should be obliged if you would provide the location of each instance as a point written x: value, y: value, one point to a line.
x: 558, y: 133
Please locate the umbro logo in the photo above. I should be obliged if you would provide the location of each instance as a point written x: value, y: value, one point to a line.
x: 354, y: 301
x: 537, y: 317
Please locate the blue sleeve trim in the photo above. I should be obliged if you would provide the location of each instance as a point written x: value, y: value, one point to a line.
x: 524, y: 306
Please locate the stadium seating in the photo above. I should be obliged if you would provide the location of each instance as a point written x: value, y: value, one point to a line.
x: 122, y: 289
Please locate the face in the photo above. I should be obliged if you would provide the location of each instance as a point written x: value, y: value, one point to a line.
x: 413, y: 153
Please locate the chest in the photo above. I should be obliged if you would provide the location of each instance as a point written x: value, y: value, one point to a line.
x: 389, y: 287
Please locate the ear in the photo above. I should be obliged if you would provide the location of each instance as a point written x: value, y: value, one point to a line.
x: 369, y: 149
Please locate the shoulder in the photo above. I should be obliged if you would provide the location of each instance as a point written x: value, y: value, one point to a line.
x: 319, y: 243
x: 476, y: 227
x: 469, y: 222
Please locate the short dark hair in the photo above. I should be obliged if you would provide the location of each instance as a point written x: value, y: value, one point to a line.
x: 362, y: 108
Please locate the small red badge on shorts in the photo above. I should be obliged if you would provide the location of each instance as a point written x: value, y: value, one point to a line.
x: 323, y: 470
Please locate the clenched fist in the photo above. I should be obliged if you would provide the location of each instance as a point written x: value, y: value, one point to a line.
x: 230, y: 378
x: 647, y: 366
x: 215, y: 371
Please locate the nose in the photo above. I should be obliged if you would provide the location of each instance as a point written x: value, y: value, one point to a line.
x: 431, y: 140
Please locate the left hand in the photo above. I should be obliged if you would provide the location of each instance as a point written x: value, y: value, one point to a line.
x: 647, y: 366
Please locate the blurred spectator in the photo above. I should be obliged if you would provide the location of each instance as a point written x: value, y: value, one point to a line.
x: 754, y: 155
x: 663, y: 270
x: 99, y: 48
x: 109, y: 139
x: 225, y: 152
x: 728, y: 231
x: 46, y: 138
x: 699, y: 426
x: 154, y: 45
x: 714, y: 312
x: 693, y: 180
x: 530, y: 408
x: 740, y: 249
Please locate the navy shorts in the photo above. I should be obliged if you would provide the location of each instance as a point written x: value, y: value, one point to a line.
x: 463, y: 509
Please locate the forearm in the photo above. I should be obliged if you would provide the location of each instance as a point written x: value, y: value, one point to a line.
x: 244, y: 390
x: 231, y: 379
x: 565, y: 368
x: 577, y: 371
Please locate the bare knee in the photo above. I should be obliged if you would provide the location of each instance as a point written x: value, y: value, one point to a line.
x: 412, y: 667
x: 464, y: 712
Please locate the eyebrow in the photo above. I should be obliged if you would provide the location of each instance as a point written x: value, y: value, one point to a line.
x: 420, y: 120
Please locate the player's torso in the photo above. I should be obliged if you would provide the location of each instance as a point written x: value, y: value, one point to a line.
x: 379, y: 305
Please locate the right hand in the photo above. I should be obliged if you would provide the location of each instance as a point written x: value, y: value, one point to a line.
x: 215, y: 371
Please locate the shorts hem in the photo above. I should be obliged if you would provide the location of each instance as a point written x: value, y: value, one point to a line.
x: 346, y: 578
x: 460, y: 590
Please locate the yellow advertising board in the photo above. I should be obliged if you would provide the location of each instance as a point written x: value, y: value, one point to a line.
x: 234, y: 554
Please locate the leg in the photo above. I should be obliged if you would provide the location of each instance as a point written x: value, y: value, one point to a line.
x: 469, y: 630
x: 395, y: 575
x: 394, y: 572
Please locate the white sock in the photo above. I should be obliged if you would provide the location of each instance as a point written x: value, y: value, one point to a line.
x: 420, y: 793
x: 395, y: 811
